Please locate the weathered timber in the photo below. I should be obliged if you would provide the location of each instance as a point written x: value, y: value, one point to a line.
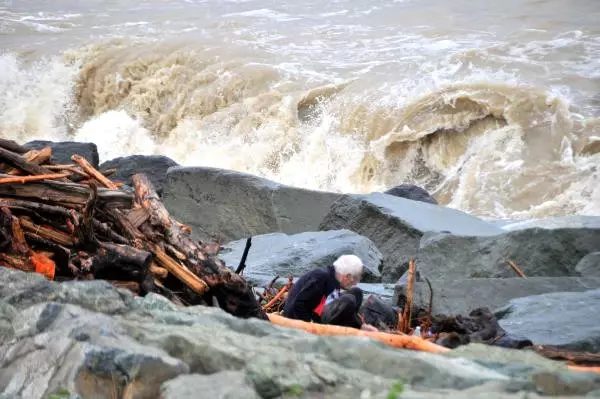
x: 182, y: 273
x: 232, y: 291
x: 118, y: 262
x: 132, y: 286
x: 48, y: 233
x: 70, y: 195
x: 27, y: 179
x: 90, y: 170
x: 158, y: 271
x: 17, y: 161
x: 13, y: 146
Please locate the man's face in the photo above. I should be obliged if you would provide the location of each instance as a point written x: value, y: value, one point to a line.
x: 348, y: 281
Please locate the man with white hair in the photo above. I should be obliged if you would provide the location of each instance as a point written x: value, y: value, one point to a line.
x: 308, y: 295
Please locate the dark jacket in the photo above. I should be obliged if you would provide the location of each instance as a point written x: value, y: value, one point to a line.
x: 343, y: 311
x: 308, y: 292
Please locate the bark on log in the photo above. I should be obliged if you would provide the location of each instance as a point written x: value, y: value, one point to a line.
x: 90, y: 170
x: 18, y: 161
x: 47, y: 233
x: 182, y: 273
x: 69, y: 195
x: 27, y: 179
x: 118, y: 262
x: 13, y: 146
x: 231, y: 290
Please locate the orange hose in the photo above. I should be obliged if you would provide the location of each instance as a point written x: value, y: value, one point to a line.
x: 586, y: 369
x: 393, y: 340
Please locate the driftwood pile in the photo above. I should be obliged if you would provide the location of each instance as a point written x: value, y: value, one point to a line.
x: 71, y: 222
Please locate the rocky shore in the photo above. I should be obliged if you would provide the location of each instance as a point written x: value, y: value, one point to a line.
x: 92, y: 340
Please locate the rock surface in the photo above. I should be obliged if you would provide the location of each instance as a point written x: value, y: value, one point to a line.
x: 154, y: 166
x: 232, y: 205
x: 589, y: 265
x: 91, y: 340
x: 63, y: 150
x: 537, y: 252
x: 453, y: 297
x: 280, y: 254
x: 566, y: 320
x: 396, y: 225
x: 556, y: 222
x: 411, y: 192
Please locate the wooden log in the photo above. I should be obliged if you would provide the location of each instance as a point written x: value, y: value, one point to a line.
x: 232, y: 291
x: 70, y: 195
x: 13, y: 146
x: 16, y: 253
x: 407, y: 314
x: 26, y: 179
x: 181, y: 272
x: 90, y: 170
x: 158, y: 271
x: 17, y: 161
x: 47, y: 233
x: 118, y: 262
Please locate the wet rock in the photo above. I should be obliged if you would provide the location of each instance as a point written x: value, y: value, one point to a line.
x: 152, y: 348
x: 453, y: 297
x: 63, y: 150
x: 567, y: 320
x: 232, y: 205
x: 411, y: 192
x: 396, y: 225
x: 154, y: 166
x: 538, y: 253
x: 555, y: 222
x: 589, y: 265
x: 280, y: 254
x: 221, y: 385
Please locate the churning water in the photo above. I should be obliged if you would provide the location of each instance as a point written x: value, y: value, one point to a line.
x: 491, y: 106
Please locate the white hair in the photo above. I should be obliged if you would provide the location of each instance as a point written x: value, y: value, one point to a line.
x: 348, y: 264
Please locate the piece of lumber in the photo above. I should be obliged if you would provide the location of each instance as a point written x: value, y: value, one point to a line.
x: 393, y: 340
x: 158, y: 271
x: 47, y: 233
x: 13, y: 146
x: 232, y: 291
x: 242, y: 264
x: 137, y: 216
x: 276, y: 298
x: 118, y: 262
x: 67, y: 194
x: 26, y: 179
x: 90, y: 170
x: 516, y: 269
x: 407, y: 314
x: 17, y: 161
x: 182, y: 273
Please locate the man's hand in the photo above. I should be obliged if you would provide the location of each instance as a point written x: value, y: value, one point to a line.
x: 368, y: 327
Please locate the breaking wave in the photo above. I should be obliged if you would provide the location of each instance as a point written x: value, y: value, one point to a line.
x: 498, y: 150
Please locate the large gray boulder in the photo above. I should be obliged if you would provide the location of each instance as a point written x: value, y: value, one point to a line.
x: 232, y: 205
x: 589, y: 265
x: 279, y: 254
x: 537, y: 252
x: 555, y: 222
x: 148, y: 347
x: 411, y: 192
x: 153, y: 166
x: 453, y: 297
x: 62, y: 151
x: 567, y: 320
x: 396, y: 225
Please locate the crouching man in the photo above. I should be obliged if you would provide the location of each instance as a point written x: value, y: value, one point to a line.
x: 307, y: 298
